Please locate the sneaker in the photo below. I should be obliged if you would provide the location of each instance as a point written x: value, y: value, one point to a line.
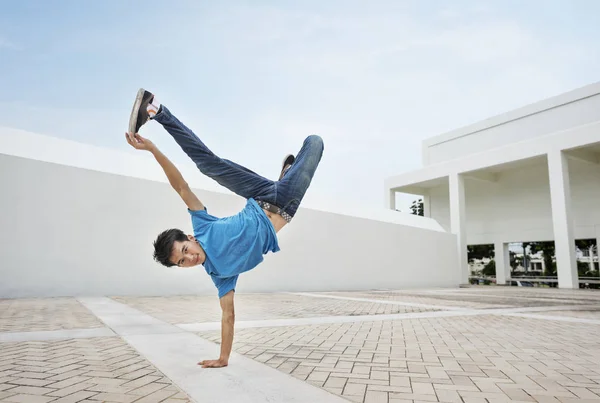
x: 287, y: 164
x: 139, y: 114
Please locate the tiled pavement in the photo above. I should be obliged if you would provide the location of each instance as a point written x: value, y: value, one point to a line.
x: 97, y: 369
x: 198, y: 309
x: 587, y: 313
x: 479, y: 355
x: 498, y: 298
x: 427, y: 299
x: 41, y: 314
x: 445, y: 359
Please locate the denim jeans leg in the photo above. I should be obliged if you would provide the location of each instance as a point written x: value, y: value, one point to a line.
x: 293, y: 186
x: 238, y: 179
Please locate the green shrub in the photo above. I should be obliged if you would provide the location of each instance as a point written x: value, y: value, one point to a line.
x: 551, y: 272
x: 489, y: 269
x: 583, y: 269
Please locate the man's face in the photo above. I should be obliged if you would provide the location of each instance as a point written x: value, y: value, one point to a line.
x: 187, y: 253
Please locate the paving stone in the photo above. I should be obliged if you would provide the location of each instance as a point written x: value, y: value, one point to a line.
x: 33, y: 375
x: 28, y: 382
x: 144, y: 380
x: 354, y: 389
x: 382, y: 375
x: 318, y: 376
x: 67, y: 375
x: 335, y: 383
x: 147, y: 389
x: 26, y: 398
x: 32, y: 390
x: 584, y: 393
x: 115, y: 397
x: 137, y: 374
x: 71, y: 389
x: 109, y: 389
x: 71, y: 381
x: 6, y: 394
x: 75, y: 397
x: 157, y: 396
x: 388, y: 388
x: 448, y: 396
x: 410, y: 396
x: 376, y: 397
x: 107, y: 381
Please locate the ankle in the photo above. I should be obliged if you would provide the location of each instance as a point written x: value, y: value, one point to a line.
x: 153, y: 107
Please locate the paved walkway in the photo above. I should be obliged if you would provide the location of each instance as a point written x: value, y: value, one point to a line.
x: 479, y: 344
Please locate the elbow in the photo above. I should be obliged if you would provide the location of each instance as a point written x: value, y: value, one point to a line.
x: 181, y: 187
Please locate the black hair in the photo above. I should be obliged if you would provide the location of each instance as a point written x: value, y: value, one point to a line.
x: 163, y: 246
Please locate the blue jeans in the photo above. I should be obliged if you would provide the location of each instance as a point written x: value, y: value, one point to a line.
x: 286, y: 193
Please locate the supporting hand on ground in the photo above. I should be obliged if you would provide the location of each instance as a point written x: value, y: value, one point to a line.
x: 138, y: 142
x: 213, y: 363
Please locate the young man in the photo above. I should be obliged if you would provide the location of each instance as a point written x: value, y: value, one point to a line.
x: 229, y: 246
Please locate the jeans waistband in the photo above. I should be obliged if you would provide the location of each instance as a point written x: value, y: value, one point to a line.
x: 274, y: 209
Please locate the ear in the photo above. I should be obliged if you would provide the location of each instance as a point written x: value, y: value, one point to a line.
x: 191, y: 238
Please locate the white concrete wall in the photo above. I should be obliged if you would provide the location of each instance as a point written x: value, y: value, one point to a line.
x: 517, y: 207
x: 561, y: 112
x: 67, y: 230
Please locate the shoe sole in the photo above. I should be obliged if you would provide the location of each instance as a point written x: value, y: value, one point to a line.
x: 283, y: 165
x: 285, y: 159
x: 135, y: 110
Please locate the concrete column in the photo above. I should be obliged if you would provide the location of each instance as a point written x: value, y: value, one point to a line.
x: 502, y: 258
x: 426, y: 205
x: 390, y: 199
x: 597, y: 227
x: 458, y: 223
x: 562, y: 221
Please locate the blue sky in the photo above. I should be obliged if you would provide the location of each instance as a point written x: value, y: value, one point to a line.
x: 253, y: 78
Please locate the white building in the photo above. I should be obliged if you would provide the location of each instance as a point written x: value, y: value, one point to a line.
x: 532, y: 174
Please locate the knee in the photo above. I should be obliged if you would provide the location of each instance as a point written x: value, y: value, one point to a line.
x: 315, y: 141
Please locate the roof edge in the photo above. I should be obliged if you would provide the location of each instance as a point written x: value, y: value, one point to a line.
x: 556, y: 101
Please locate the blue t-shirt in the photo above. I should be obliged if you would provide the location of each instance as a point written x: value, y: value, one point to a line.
x: 233, y: 244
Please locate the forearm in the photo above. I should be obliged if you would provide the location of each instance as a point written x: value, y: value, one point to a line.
x: 227, y: 327
x: 175, y: 178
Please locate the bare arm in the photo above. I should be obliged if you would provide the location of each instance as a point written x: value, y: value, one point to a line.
x: 177, y: 181
x: 173, y: 175
x: 227, y: 329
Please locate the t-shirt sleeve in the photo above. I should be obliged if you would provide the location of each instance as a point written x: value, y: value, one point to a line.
x: 224, y: 285
x: 201, y: 214
x: 200, y: 220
